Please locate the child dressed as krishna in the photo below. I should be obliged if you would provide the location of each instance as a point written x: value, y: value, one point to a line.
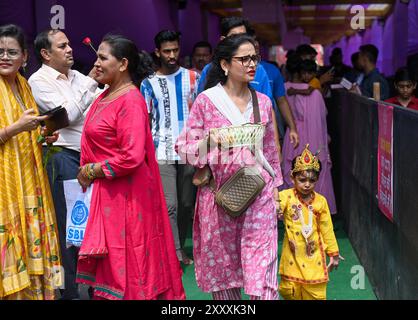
x: 309, y: 235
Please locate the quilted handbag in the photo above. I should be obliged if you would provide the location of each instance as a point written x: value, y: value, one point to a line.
x: 241, y: 189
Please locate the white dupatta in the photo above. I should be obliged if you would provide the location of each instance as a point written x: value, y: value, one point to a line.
x: 227, y: 107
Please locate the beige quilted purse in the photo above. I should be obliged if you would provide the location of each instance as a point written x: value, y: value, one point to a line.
x: 241, y: 189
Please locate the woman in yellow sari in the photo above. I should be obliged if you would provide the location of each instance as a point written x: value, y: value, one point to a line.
x: 30, y: 266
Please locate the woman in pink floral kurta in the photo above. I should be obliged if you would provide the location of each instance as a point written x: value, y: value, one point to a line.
x: 233, y: 253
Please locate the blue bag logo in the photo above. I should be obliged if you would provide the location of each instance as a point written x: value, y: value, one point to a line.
x: 80, y: 213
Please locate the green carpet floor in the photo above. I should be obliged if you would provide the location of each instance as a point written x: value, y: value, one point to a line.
x: 339, y: 286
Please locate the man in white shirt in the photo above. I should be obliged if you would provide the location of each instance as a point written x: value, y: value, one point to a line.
x: 54, y: 85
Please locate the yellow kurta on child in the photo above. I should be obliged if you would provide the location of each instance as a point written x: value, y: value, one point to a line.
x: 305, y: 261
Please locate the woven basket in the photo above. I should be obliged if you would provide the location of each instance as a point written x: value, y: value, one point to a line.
x: 240, y: 136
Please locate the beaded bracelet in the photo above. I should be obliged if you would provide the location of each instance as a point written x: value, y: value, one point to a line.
x: 89, y: 171
x: 83, y: 171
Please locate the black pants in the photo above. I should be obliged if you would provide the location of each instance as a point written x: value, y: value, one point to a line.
x: 64, y: 166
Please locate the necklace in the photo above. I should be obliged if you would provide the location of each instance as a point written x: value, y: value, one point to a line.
x: 117, y: 90
x: 306, y: 229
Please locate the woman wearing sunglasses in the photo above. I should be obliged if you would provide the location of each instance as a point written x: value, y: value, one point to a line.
x: 232, y: 253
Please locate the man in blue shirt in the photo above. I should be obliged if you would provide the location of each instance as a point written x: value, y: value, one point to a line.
x: 237, y: 25
x: 368, y: 59
x: 278, y: 91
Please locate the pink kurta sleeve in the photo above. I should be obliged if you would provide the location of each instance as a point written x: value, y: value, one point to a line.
x: 187, y: 145
x: 269, y: 145
x: 130, y: 123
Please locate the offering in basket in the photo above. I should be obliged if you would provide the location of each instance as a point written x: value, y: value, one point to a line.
x: 247, y: 135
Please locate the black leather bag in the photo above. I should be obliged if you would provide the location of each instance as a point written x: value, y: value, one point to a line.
x: 58, y: 119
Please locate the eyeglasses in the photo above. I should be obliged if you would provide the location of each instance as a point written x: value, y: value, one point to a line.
x: 246, y: 60
x: 11, y: 53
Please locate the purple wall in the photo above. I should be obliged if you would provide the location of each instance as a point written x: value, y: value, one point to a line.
x: 293, y: 38
x: 214, y: 30
x: 138, y: 20
x: 190, y: 24
x: 400, y: 40
x: 20, y: 12
x: 391, y: 37
x: 412, y: 27
x: 377, y: 40
x: 387, y: 53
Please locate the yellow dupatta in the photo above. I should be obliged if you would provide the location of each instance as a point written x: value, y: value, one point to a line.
x: 30, y: 262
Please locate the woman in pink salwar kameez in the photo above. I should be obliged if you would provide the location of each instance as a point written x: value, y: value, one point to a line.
x: 233, y: 253
x: 128, y: 249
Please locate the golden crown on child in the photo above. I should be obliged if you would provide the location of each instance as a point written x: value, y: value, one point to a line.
x: 306, y: 161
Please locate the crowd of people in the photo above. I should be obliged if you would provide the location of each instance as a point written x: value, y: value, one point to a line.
x: 141, y: 127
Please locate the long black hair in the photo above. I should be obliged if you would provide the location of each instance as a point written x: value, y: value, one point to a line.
x: 140, y: 62
x: 225, y: 50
